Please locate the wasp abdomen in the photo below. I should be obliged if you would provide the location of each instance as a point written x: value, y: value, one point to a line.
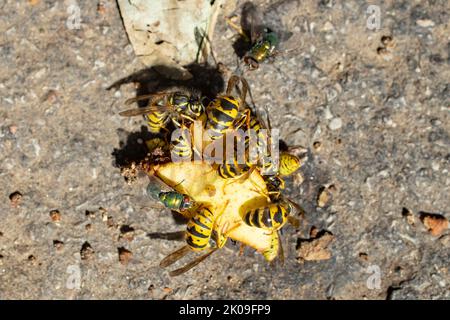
x: 199, y: 230
x: 271, y: 217
x: 222, y: 112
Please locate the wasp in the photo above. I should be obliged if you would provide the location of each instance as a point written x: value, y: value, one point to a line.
x: 164, y: 107
x: 200, y: 236
x: 288, y: 162
x: 224, y: 111
x: 274, y: 185
x: 271, y: 217
x: 237, y: 167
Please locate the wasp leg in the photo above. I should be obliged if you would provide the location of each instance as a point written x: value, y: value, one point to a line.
x: 222, y: 237
x: 246, y: 175
x: 245, y: 89
x: 232, y: 83
x: 174, y: 256
x: 245, y: 118
x: 280, y: 250
x: 241, y: 249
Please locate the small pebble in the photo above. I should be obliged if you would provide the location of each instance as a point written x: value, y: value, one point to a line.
x: 425, y: 23
x: 101, y: 9
x: 12, y: 129
x: 32, y: 259
x: 386, y: 40
x: 335, y: 124
x: 328, y: 26
x: 126, y: 232
x: 90, y: 214
x: 324, y: 198
x: 110, y: 222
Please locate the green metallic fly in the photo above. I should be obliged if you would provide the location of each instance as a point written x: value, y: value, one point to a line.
x: 171, y: 199
x: 261, y: 40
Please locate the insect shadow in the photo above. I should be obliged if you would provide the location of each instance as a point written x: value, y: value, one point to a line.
x: 172, y: 236
x: 206, y: 79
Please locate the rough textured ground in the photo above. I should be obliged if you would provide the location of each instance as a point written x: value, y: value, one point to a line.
x: 380, y: 113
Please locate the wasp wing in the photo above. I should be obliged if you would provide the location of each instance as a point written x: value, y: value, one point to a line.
x: 191, y: 264
x: 174, y: 256
x: 158, y: 96
x: 143, y: 111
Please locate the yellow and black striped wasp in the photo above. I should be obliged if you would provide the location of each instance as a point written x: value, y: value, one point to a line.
x: 273, y: 217
x: 181, y: 108
x: 224, y: 112
x: 246, y: 158
x: 257, y: 153
x: 201, y: 235
x: 163, y: 107
x: 287, y: 164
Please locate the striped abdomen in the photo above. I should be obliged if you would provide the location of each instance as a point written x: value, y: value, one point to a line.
x: 232, y: 170
x: 289, y: 163
x: 180, y: 147
x: 261, y: 135
x: 222, y: 112
x: 272, y: 252
x: 271, y: 217
x: 199, y: 230
x: 157, y: 120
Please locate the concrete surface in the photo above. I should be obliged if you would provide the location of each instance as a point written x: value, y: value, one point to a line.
x: 372, y: 106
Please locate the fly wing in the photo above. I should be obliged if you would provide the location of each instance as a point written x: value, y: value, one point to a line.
x: 273, y: 17
x: 158, y: 184
x: 251, y: 22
